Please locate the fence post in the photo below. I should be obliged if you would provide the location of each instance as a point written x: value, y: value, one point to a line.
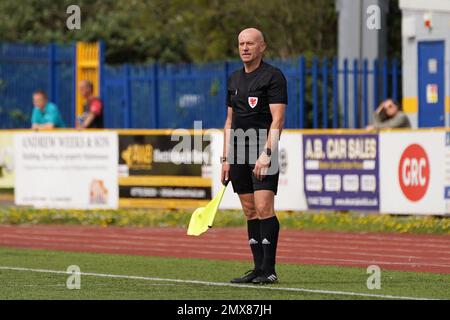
x: 52, y: 71
x: 128, y: 112
x: 172, y: 79
x: 156, y: 95
x: 335, y: 93
x: 364, y: 93
x: 325, y: 93
x: 75, y: 84
x: 315, y: 94
x: 302, y: 91
x: 226, y: 70
x: 385, y: 79
x: 375, y: 84
x: 345, y: 93
x: 355, y: 93
x: 101, y: 70
x: 394, y: 79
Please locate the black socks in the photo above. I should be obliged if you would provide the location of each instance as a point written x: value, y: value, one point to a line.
x: 269, y: 238
x: 254, y: 240
x: 263, y: 239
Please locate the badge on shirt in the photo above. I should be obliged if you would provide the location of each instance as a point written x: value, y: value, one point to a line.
x: 252, y: 101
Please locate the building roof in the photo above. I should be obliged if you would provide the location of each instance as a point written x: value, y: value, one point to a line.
x: 426, y: 5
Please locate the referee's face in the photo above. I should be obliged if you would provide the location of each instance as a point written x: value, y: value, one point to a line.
x: 251, y: 45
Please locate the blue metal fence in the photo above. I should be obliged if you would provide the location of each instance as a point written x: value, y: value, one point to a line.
x: 26, y: 68
x: 322, y: 93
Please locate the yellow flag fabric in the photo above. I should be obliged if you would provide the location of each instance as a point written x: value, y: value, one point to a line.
x: 203, y: 217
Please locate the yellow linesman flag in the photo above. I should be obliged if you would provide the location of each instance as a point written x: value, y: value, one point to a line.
x: 203, y: 217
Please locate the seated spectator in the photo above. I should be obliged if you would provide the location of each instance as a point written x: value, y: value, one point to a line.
x: 92, y: 116
x: 389, y: 115
x: 45, y: 114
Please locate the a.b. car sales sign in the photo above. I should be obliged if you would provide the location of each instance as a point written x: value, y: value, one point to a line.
x: 341, y: 171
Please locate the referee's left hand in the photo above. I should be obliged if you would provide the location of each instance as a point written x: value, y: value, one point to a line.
x: 261, y: 166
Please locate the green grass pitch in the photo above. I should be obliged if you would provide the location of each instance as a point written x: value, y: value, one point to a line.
x: 159, y: 278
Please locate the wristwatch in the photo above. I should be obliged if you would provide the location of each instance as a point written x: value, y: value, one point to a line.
x: 268, y: 151
x: 223, y: 159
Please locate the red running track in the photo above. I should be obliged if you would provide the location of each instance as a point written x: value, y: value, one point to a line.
x: 422, y: 253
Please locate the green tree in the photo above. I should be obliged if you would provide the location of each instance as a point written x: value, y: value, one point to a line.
x: 182, y: 31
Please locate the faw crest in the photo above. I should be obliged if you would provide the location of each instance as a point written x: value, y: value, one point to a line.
x: 252, y: 101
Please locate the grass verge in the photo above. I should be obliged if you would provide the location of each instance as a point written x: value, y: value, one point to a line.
x: 330, y: 221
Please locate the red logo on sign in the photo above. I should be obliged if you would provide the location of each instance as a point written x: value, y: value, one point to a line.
x: 252, y: 101
x: 414, y: 172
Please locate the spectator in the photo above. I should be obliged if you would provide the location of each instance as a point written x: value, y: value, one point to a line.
x: 389, y: 115
x: 92, y: 116
x: 45, y: 114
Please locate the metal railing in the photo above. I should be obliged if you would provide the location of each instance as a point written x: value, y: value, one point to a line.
x: 322, y: 93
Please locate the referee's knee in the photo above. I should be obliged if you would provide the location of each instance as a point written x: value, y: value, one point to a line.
x: 250, y: 214
x: 264, y: 210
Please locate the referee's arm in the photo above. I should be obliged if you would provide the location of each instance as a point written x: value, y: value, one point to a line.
x: 226, y: 146
x: 278, y: 111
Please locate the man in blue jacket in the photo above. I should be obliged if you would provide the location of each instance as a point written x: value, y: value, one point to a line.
x: 45, y: 114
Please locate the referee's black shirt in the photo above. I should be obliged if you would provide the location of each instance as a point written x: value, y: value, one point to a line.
x: 249, y: 94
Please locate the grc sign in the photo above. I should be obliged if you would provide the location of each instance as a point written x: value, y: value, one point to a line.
x: 412, y: 172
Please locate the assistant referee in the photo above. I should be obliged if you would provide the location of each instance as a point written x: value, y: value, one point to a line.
x: 256, y: 103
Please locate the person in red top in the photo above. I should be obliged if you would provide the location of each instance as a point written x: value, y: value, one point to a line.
x: 92, y: 116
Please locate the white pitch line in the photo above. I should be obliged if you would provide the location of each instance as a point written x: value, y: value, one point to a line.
x: 217, y: 284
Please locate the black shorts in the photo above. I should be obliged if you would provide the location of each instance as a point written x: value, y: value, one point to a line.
x: 244, y: 181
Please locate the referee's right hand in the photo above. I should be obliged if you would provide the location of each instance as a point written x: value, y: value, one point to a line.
x: 225, y: 172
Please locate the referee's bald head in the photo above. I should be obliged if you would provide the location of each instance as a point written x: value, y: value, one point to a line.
x: 252, y: 32
x: 251, y: 44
